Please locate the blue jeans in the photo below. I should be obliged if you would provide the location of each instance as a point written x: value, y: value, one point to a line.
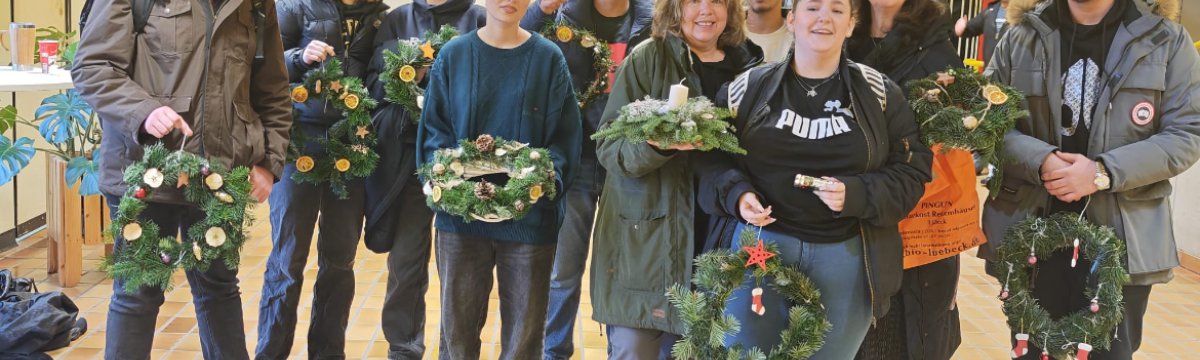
x: 838, y: 272
x: 295, y: 208
x: 215, y: 293
x: 569, y: 260
x: 465, y: 265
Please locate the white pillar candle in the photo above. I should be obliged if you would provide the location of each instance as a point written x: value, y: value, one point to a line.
x: 679, y: 95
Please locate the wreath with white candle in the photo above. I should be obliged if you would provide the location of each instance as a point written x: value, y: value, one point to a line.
x: 147, y: 258
x: 677, y: 121
x: 449, y: 188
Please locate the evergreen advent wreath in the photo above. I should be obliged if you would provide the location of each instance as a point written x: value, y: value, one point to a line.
x: 695, y: 122
x: 148, y: 259
x: 602, y: 61
x: 718, y: 274
x: 447, y: 188
x: 962, y: 109
x: 1035, y: 238
x: 401, y: 66
x: 349, y: 144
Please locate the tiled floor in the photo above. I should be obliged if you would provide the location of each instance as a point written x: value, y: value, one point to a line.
x: 1172, y: 323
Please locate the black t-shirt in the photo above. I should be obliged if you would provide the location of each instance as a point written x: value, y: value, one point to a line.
x: 811, y: 135
x: 714, y: 74
x: 1083, y: 52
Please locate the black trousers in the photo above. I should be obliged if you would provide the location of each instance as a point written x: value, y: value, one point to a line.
x: 1059, y: 288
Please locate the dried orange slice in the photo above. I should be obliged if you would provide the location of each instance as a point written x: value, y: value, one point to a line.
x: 535, y: 192
x: 408, y: 73
x: 305, y: 163
x: 564, y: 34
x: 997, y: 97
x: 342, y: 165
x: 299, y: 94
x: 351, y: 101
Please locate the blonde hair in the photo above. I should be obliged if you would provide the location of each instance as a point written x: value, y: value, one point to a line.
x: 668, y: 17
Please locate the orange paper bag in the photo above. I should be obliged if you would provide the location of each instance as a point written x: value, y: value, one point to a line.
x: 946, y: 220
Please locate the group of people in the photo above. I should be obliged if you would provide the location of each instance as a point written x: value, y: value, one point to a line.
x: 218, y: 71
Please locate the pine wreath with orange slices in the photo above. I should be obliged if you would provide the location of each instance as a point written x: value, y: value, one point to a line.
x: 602, y: 61
x: 402, y: 66
x: 349, y: 145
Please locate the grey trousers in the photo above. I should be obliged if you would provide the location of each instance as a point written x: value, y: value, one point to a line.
x: 626, y: 343
x: 465, y: 265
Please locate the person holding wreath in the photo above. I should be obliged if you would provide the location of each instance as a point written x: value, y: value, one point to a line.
x: 834, y: 162
x: 648, y: 226
x: 1113, y: 118
x: 907, y: 40
x: 601, y: 32
x: 396, y: 215
x: 531, y: 101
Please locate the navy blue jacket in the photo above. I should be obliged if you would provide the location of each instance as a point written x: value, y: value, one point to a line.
x: 396, y: 133
x: 634, y: 28
x: 301, y: 22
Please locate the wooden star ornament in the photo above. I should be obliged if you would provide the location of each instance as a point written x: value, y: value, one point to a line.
x: 362, y: 132
x: 758, y: 255
x: 427, y: 50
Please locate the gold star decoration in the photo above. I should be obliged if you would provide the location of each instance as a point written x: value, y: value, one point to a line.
x: 336, y: 86
x: 362, y: 132
x: 758, y: 255
x: 427, y: 50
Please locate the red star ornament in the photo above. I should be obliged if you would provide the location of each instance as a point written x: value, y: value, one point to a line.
x: 758, y: 255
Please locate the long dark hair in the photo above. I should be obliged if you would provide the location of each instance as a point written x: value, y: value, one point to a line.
x: 913, y: 15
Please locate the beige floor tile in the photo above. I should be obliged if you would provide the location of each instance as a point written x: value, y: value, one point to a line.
x: 1172, y: 322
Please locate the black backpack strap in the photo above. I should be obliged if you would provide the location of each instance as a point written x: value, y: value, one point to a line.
x: 260, y: 22
x: 141, y: 14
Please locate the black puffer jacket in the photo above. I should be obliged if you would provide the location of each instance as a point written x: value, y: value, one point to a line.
x: 302, y: 21
x: 394, y: 126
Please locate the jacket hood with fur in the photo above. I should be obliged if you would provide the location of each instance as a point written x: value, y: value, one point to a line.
x: 1017, y: 9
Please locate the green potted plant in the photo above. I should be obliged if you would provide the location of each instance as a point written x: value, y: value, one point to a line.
x: 65, y: 121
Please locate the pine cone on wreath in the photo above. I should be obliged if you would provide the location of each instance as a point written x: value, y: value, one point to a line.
x: 485, y: 143
x: 485, y: 190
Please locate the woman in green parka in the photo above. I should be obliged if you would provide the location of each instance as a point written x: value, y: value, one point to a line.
x: 648, y: 222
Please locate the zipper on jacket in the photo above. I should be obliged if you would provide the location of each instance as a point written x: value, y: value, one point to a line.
x: 862, y: 234
x: 209, y: 19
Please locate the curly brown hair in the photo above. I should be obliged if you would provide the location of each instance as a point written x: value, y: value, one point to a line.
x: 668, y: 15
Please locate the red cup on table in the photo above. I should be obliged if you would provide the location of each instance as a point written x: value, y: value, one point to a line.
x: 49, y: 53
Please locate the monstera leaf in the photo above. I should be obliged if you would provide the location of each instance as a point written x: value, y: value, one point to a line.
x: 14, y: 156
x: 63, y: 117
x: 84, y: 170
x: 8, y: 118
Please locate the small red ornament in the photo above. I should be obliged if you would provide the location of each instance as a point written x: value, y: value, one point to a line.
x: 1032, y: 259
x: 1082, y: 353
x: 758, y: 255
x: 1045, y: 355
x: 1022, y: 347
x: 757, y: 306
x: 1095, y: 307
x: 1075, y: 255
x: 1003, y: 295
x: 139, y: 193
x: 204, y: 170
x: 166, y: 258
